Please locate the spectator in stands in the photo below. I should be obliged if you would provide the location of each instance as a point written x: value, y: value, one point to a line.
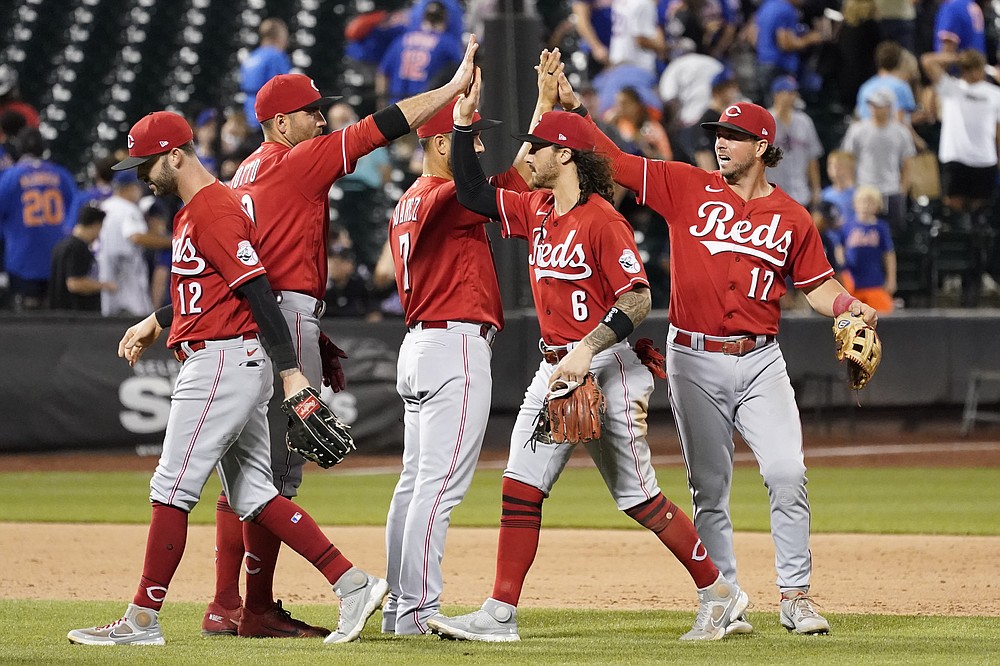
x: 593, y: 24
x: 827, y: 219
x: 781, y: 39
x: 264, y: 62
x: 636, y: 39
x: 121, y: 257
x: 73, y: 285
x: 347, y: 293
x: 414, y: 62
x: 708, y: 23
x: 206, y: 137
x: 686, y: 87
x: 37, y: 199
x: 897, y: 22
x: 235, y: 141
x: 969, y: 108
x: 959, y: 25
x: 856, y: 45
x: 798, y: 173
x: 357, y: 199
x: 882, y: 147
x: 868, y: 251
x: 100, y: 174
x: 840, y: 191
x: 368, y: 35
x: 10, y: 97
x: 701, y: 144
x: 889, y: 64
x: 636, y: 132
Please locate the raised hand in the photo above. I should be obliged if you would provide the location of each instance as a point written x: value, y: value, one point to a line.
x: 463, y: 75
x: 468, y: 101
x: 549, y: 68
x: 567, y: 96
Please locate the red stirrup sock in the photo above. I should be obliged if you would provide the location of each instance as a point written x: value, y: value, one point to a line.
x: 662, y: 517
x: 164, y: 549
x: 290, y: 523
x: 520, y: 522
x: 228, y: 555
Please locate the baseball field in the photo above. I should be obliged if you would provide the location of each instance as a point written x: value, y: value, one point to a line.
x: 906, y: 553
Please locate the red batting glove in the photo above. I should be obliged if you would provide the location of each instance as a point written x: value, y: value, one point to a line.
x: 650, y: 357
x: 333, y: 371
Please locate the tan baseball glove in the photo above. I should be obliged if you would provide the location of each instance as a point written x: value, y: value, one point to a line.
x: 859, y: 345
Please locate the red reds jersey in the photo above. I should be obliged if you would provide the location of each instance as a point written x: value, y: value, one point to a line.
x: 213, y: 254
x: 443, y: 259
x: 728, y: 257
x: 579, y: 263
x: 286, y: 192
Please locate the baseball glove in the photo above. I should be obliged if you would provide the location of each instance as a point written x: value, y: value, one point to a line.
x: 858, y: 344
x: 573, y: 412
x: 314, y: 431
x: 650, y: 357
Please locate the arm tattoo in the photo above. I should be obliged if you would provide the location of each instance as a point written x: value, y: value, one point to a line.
x: 635, y: 304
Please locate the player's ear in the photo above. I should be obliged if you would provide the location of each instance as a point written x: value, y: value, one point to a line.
x: 441, y: 145
x: 565, y: 156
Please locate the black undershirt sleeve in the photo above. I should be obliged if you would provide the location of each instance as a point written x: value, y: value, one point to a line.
x: 273, y: 330
x: 391, y: 122
x: 471, y: 187
x: 164, y: 316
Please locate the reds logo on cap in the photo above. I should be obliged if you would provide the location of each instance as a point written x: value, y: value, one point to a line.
x: 747, y: 118
x: 733, y: 111
x: 130, y: 142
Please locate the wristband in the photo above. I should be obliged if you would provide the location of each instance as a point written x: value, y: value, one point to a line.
x: 164, y: 316
x: 580, y: 111
x: 842, y: 303
x: 619, y: 322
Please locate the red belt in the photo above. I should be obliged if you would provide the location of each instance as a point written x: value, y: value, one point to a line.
x: 182, y: 356
x: 553, y: 356
x: 484, y: 329
x: 737, y: 347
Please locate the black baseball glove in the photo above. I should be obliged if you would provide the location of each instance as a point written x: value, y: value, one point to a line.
x: 314, y: 431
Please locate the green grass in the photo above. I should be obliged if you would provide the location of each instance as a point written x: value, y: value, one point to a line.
x: 958, y: 501
x: 548, y: 637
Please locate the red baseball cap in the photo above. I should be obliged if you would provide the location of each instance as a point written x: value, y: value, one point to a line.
x: 563, y: 129
x: 288, y: 93
x: 747, y: 118
x: 154, y: 135
x: 443, y: 121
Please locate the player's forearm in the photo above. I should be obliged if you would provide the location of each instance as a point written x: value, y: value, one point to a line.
x: 273, y: 329
x: 472, y: 189
x: 627, y: 168
x: 84, y: 286
x: 822, y: 296
x: 635, y: 305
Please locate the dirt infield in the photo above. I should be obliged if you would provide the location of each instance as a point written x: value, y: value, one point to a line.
x: 853, y: 573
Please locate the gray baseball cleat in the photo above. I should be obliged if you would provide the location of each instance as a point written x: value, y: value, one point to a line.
x: 139, y: 626
x: 798, y: 615
x: 739, y: 626
x: 720, y: 604
x: 495, y: 622
x: 360, y: 596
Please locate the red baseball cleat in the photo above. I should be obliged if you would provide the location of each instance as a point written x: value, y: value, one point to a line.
x: 220, y: 621
x: 276, y: 622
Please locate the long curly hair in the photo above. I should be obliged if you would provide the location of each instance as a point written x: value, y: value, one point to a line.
x: 594, y: 172
x: 772, y: 155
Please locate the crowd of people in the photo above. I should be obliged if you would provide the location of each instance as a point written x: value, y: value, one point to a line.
x: 907, y: 112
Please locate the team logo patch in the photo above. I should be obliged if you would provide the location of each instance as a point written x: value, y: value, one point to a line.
x: 629, y: 262
x: 297, y: 517
x: 164, y: 144
x: 307, y: 407
x: 313, y: 84
x: 246, y: 253
x: 733, y: 111
x: 130, y: 142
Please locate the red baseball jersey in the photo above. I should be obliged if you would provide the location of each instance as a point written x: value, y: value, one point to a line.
x: 286, y: 192
x: 442, y: 255
x: 728, y: 257
x: 213, y: 253
x: 579, y: 263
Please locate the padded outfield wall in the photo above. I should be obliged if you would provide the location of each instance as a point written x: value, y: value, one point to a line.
x: 64, y: 386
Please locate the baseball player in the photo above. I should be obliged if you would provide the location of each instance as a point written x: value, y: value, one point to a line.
x: 734, y: 239
x: 590, y: 290
x: 284, y: 187
x: 452, y: 311
x: 223, y: 318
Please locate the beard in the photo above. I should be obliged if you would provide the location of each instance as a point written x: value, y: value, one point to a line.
x: 165, y: 183
x: 544, y: 175
x: 734, y: 171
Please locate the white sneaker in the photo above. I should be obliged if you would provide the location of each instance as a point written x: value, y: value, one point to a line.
x: 360, y: 596
x: 495, y: 622
x: 798, y: 615
x: 720, y: 604
x: 139, y: 626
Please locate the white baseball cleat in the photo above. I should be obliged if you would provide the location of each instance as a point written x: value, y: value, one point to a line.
x: 720, y: 604
x: 798, y: 615
x: 739, y: 626
x: 139, y: 626
x: 360, y: 596
x: 495, y: 622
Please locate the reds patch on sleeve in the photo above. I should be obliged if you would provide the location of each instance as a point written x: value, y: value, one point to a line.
x: 307, y: 407
x: 246, y: 254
